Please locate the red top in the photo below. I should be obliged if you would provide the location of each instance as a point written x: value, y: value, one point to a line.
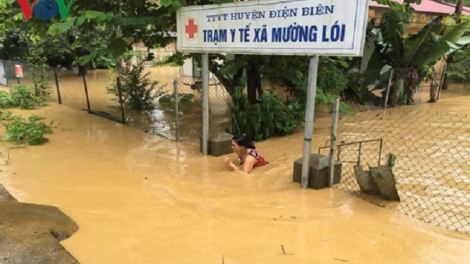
x: 260, y: 161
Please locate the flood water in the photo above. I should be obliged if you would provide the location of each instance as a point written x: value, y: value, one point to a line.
x: 140, y: 198
x: 162, y: 120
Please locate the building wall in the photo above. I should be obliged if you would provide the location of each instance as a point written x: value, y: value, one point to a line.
x: 419, y: 20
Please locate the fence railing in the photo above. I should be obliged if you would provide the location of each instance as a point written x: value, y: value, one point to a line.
x: 431, y: 170
x: 359, y: 150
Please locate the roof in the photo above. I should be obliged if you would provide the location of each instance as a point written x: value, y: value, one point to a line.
x: 428, y: 6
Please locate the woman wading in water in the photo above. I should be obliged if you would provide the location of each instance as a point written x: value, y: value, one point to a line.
x: 248, y: 157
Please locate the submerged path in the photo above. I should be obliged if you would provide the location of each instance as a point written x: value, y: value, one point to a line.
x: 138, y: 198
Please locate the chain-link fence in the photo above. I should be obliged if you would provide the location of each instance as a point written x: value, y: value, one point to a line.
x: 179, y: 95
x: 184, y: 96
x: 18, y: 72
x: 90, y: 93
x: 428, y: 156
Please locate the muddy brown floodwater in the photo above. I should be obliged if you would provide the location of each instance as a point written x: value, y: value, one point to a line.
x: 140, y: 199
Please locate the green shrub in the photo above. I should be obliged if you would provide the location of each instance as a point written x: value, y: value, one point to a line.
x: 22, y: 96
x: 270, y: 117
x: 391, y: 158
x: 5, y: 115
x: 137, y: 89
x: 25, y: 97
x: 104, y: 62
x: 26, y: 131
x: 6, y: 100
x: 41, y: 74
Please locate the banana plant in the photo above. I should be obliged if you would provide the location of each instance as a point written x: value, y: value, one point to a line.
x: 407, y: 56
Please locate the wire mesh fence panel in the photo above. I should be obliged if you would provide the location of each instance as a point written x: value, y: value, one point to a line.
x: 190, y: 110
x: 162, y: 120
x: 71, y: 90
x: 220, y: 119
x: 89, y: 91
x: 431, y: 172
x: 18, y: 72
x: 101, y: 101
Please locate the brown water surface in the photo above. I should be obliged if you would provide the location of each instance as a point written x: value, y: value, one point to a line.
x: 138, y: 198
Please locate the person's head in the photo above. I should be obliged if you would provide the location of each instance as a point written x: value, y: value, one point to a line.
x: 242, y: 141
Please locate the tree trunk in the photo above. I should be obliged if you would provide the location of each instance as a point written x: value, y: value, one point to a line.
x: 82, y: 70
x: 458, y: 10
x: 450, y: 57
x: 228, y: 82
x: 449, y: 61
x: 253, y: 82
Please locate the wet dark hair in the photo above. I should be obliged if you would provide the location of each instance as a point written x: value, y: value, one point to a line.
x: 244, y: 141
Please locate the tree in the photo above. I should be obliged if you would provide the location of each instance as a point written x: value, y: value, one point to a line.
x: 410, y: 56
x: 451, y: 57
x: 110, y: 28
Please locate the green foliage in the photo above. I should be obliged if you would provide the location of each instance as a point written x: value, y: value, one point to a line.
x: 270, y: 117
x: 6, y: 100
x: 401, y: 96
x: 391, y: 158
x: 460, y: 69
x: 5, y: 115
x: 426, y: 48
x: 437, y: 38
x: 121, y: 23
x: 22, y: 96
x: 169, y: 60
x: 331, y: 79
x: 104, y: 62
x: 41, y: 75
x: 137, y: 90
x: 409, y: 56
x: 357, y: 85
x: 29, y: 131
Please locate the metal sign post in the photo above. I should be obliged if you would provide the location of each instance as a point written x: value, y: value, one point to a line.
x: 334, y: 122
x: 205, y: 103
x: 296, y: 27
x: 309, y: 115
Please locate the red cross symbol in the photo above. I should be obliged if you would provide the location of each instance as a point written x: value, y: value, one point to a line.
x: 191, y: 28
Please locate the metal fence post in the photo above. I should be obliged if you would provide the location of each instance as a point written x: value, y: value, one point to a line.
x: 360, y: 153
x: 121, y: 103
x: 86, y: 94
x: 443, y: 76
x: 59, y: 98
x: 380, y: 151
x: 205, y: 103
x: 388, y: 89
x: 177, y: 122
x: 334, y: 121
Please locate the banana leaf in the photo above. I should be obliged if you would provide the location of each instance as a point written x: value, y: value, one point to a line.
x: 423, y: 40
x: 459, y: 44
x: 430, y: 47
x: 393, y: 27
